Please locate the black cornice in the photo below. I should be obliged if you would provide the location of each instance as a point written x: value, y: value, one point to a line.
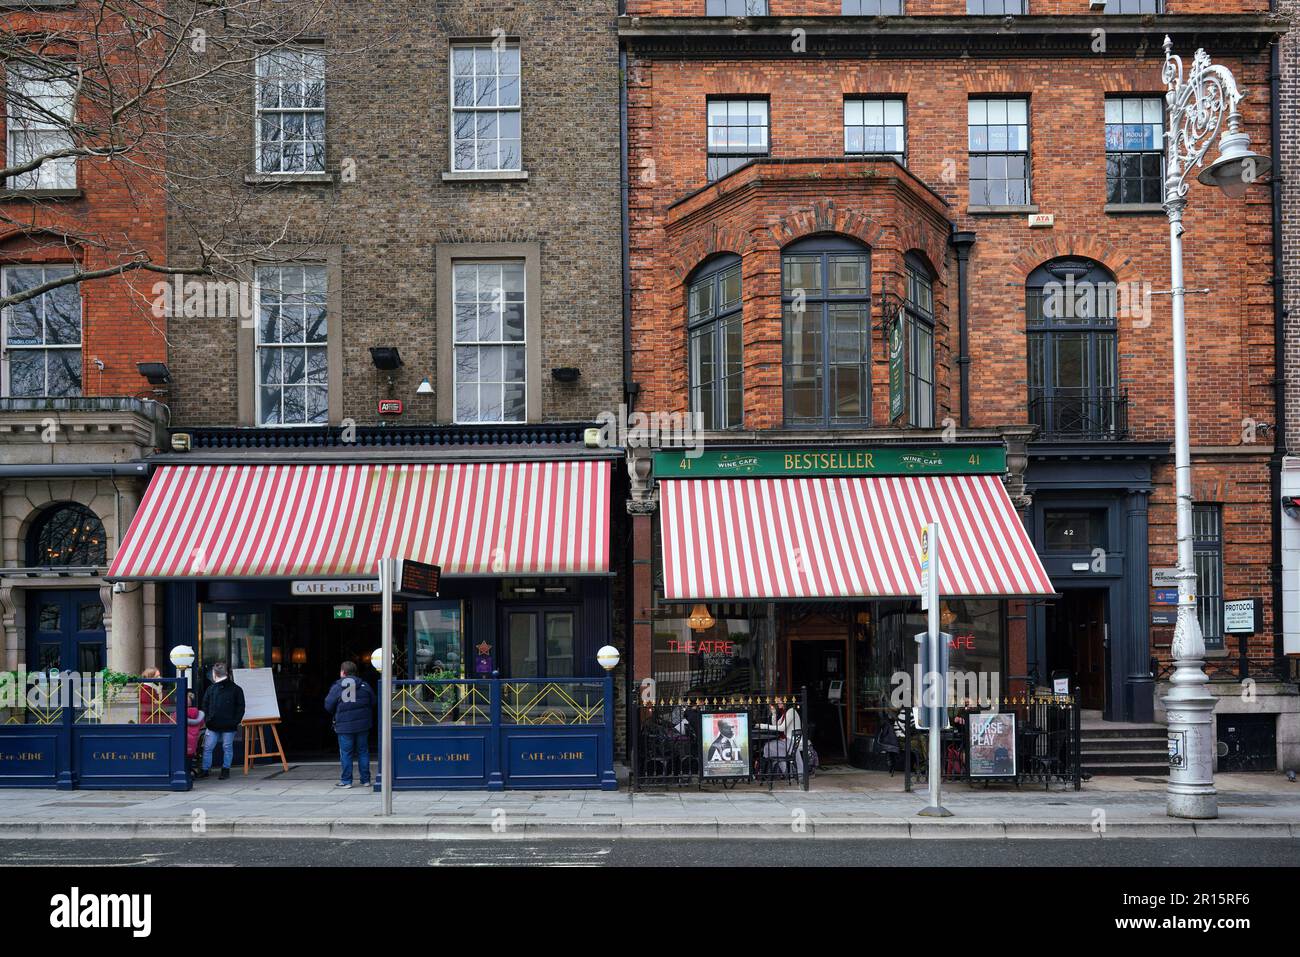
x: 946, y: 37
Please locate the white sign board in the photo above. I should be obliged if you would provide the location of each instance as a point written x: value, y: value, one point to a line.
x: 1239, y: 617
x: 360, y: 586
x: 1164, y: 578
x: 258, y: 685
x: 1060, y: 686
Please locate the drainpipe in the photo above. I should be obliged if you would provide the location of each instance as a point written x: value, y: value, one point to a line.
x: 1279, y: 357
x: 630, y: 388
x: 962, y: 243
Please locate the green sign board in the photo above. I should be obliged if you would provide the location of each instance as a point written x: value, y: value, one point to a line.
x: 793, y: 463
x: 897, y: 369
x: 343, y: 611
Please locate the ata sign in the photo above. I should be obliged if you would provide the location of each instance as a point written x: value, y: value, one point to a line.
x: 390, y: 406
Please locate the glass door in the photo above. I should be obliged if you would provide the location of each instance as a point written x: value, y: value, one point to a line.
x: 234, y: 636
x: 435, y: 647
x: 540, y: 642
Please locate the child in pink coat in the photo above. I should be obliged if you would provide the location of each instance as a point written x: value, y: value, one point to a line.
x: 195, y: 724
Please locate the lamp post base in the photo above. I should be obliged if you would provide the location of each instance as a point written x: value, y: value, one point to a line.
x: 934, y: 812
x: 1192, y: 805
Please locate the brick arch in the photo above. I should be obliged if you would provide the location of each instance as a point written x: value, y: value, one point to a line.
x: 1071, y: 246
x: 706, y: 243
x: 19, y: 242
x: 824, y: 216
x: 929, y: 242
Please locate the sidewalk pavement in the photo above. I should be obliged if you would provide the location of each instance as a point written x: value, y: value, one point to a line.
x: 303, y: 802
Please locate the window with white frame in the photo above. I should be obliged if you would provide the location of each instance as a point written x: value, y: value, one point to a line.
x: 874, y: 126
x: 40, y: 107
x: 491, y: 357
x: 292, y: 343
x: 737, y: 133
x: 42, y: 335
x: 999, y: 151
x: 735, y: 8
x: 291, y: 111
x: 485, y: 102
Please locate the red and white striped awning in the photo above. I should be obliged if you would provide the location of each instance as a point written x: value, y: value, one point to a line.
x: 296, y: 521
x: 841, y: 538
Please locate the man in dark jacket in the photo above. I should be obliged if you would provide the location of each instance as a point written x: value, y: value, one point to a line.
x: 223, y: 706
x: 352, y: 704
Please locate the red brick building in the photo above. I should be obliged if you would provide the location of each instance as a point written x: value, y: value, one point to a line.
x: 804, y: 185
x: 85, y: 199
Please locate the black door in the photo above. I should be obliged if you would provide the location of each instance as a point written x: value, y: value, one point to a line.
x: 819, y: 667
x: 539, y: 641
x: 65, y: 631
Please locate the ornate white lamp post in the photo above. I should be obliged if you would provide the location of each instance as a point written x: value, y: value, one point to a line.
x: 1197, y: 105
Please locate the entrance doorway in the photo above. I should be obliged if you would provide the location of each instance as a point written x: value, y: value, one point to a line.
x: 1077, y: 643
x: 819, y: 665
x: 65, y: 631
x: 540, y: 641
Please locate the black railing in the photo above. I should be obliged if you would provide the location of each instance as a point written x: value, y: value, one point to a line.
x: 669, y: 750
x: 1079, y: 413
x: 1048, y: 743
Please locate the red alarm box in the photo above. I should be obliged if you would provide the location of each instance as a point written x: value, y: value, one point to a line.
x: 390, y: 406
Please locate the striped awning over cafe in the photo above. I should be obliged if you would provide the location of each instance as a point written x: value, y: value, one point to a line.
x: 842, y: 537
x: 297, y: 521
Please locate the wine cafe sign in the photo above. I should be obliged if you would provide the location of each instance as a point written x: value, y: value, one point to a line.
x: 790, y: 463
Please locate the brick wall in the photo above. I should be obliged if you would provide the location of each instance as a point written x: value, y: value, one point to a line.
x: 795, y: 8
x: 118, y: 215
x: 388, y: 113
x: 1289, y: 61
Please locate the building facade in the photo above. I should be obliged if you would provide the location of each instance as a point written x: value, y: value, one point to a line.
x: 76, y: 413
x: 936, y: 230
x: 429, y: 313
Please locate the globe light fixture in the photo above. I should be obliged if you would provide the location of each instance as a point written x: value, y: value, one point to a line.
x: 182, y: 658
x: 608, y: 657
x: 377, y: 660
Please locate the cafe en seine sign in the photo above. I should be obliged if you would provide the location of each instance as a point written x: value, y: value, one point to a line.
x: 789, y: 463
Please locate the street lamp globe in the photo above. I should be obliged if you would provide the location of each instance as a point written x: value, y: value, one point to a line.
x: 1238, y: 166
x: 608, y: 657
x: 182, y: 658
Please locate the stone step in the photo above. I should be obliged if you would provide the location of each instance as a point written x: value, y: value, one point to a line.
x: 1123, y: 744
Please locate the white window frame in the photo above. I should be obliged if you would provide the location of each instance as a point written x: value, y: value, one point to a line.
x: 885, y: 103
x: 516, y: 109
x: 53, y: 174
x: 6, y: 349
x: 458, y: 344
x: 259, y: 345
x: 303, y: 111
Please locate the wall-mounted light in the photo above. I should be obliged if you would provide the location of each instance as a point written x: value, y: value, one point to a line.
x: 299, y: 656
x: 386, y: 358
x: 156, y: 372
x: 426, y: 388
x: 566, y: 374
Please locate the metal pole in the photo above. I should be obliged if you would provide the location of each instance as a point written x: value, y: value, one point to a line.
x: 935, y: 681
x: 387, y: 572
x: 1189, y: 707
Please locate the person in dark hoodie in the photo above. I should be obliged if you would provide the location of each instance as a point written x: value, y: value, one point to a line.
x: 352, y: 703
x: 223, y: 707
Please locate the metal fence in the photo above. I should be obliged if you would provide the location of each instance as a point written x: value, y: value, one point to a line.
x: 1047, y: 745
x: 669, y: 748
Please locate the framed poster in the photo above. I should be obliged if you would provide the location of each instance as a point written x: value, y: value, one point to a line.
x: 724, y: 736
x: 992, y: 745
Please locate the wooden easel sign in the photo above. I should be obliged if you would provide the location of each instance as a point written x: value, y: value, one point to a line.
x: 261, y: 711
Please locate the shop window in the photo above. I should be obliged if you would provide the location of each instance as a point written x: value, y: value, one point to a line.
x: 714, y: 323
x: 826, y: 313
x: 541, y: 643
x: 734, y: 653
x: 1207, y: 548
x: 1131, y: 7
x: 42, y: 335
x: 1074, y: 530
x: 436, y: 643
x: 67, y: 535
x: 995, y: 8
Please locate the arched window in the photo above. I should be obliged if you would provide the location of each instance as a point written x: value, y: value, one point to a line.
x: 919, y: 309
x: 1070, y: 316
x: 713, y: 321
x: 826, y: 316
x: 67, y: 534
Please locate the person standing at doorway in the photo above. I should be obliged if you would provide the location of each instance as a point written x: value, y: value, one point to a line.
x: 223, y: 706
x: 352, y: 704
